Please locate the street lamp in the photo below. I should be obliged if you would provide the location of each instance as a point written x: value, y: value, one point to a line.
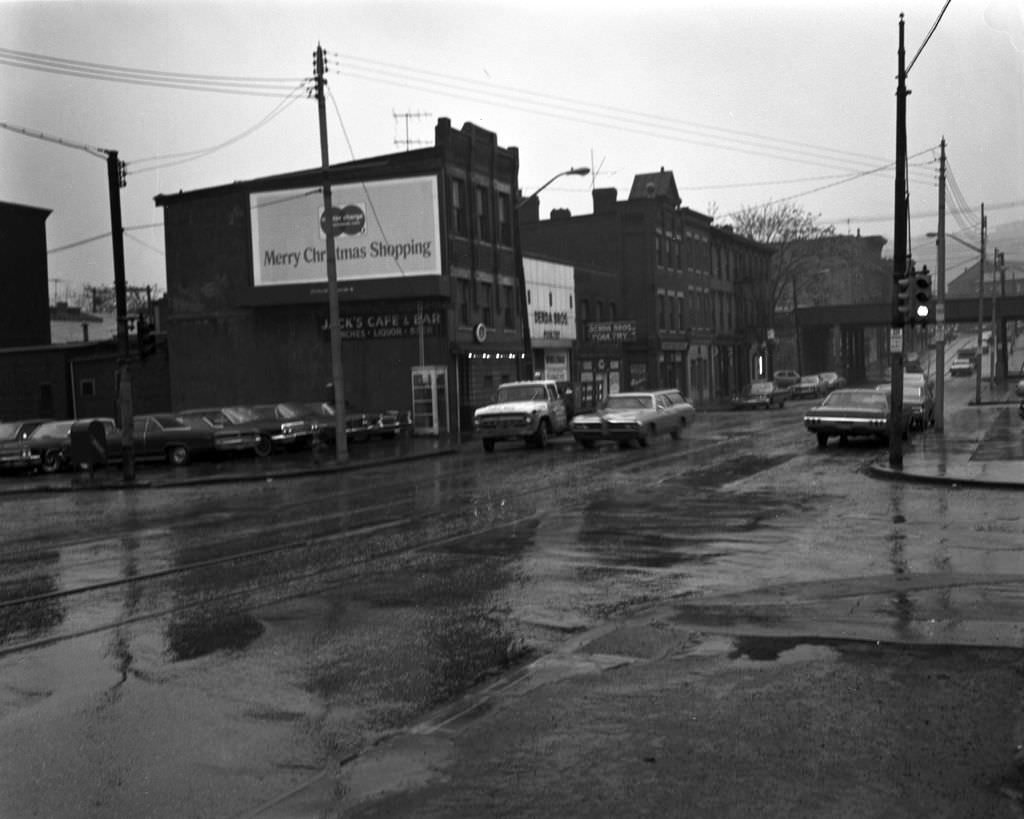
x: 981, y: 295
x: 521, y: 272
x: 570, y: 172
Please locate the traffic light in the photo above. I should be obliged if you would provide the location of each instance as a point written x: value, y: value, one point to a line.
x: 921, y: 296
x: 147, y: 340
x: 903, y: 300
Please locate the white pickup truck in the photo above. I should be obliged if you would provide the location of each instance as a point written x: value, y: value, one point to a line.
x: 527, y: 410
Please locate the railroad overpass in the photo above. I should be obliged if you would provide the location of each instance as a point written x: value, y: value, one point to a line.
x: 854, y: 337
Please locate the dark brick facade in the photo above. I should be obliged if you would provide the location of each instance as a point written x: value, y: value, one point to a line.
x: 24, y: 299
x: 232, y: 342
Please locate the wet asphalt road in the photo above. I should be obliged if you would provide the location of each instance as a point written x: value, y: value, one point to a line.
x: 200, y: 651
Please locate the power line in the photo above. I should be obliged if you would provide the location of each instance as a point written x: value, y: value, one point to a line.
x: 607, y: 116
x: 188, y: 156
x: 89, y: 149
x: 253, y: 86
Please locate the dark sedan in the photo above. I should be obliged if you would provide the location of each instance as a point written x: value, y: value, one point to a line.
x: 851, y: 413
x: 244, y: 431
x: 765, y: 394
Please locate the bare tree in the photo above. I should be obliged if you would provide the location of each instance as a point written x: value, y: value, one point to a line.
x: 796, y: 240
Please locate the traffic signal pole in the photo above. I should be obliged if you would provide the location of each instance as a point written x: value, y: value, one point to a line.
x: 125, y: 411
x: 899, y: 260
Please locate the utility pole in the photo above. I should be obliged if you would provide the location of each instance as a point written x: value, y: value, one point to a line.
x: 115, y: 181
x: 981, y: 307
x: 899, y: 261
x: 1004, y: 350
x: 337, y: 376
x: 940, y: 304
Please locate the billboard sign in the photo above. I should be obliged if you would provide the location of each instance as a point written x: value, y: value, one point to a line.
x: 383, y: 229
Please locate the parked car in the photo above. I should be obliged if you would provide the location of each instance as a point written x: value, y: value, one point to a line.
x: 633, y: 416
x: 848, y: 413
x: 786, y: 378
x: 279, y: 424
x: 765, y: 394
x: 809, y: 386
x: 365, y: 425
x: 47, y: 444
x: 14, y: 450
x: 919, y: 399
x: 832, y: 381
x: 173, y: 439
x: 961, y: 367
x: 241, y: 426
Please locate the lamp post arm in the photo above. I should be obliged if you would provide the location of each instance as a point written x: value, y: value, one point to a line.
x: 570, y: 172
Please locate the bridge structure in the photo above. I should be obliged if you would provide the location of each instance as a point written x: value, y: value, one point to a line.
x: 861, y: 332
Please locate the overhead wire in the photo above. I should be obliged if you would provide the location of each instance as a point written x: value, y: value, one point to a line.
x: 253, y: 86
x: 188, y: 156
x: 610, y: 117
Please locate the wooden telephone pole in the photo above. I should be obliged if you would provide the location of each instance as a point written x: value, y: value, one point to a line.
x: 337, y: 376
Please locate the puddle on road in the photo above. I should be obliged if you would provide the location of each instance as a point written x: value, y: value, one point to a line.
x: 771, y: 649
x: 197, y: 633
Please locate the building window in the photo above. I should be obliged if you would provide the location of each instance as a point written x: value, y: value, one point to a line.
x: 551, y: 299
x: 600, y: 311
x: 464, y: 301
x: 510, y: 311
x: 611, y: 311
x: 483, y: 214
x: 584, y: 310
x: 458, y: 210
x: 88, y: 387
x: 505, y: 219
x: 487, y: 304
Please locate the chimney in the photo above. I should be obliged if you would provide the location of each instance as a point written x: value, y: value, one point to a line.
x: 604, y: 200
x: 560, y: 213
x: 529, y: 210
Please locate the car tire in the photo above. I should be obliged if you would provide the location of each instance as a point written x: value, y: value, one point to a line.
x: 178, y: 455
x: 625, y: 443
x: 782, y: 404
x: 586, y: 443
x: 540, y: 437
x: 264, y: 446
x: 488, y: 444
x: 50, y: 462
x: 677, y: 431
x: 822, y: 440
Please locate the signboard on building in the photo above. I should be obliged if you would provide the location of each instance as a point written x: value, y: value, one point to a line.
x: 379, y: 324
x: 383, y: 229
x: 550, y: 294
x: 615, y: 331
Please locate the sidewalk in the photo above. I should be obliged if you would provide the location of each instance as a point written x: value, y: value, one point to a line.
x: 236, y: 470
x: 981, y: 445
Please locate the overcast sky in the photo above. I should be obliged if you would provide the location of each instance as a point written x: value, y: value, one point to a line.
x: 746, y: 101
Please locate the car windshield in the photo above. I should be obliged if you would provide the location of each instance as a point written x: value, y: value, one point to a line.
x: 522, y: 392
x: 8, y: 431
x: 54, y: 429
x: 860, y: 400
x: 239, y: 415
x: 628, y: 402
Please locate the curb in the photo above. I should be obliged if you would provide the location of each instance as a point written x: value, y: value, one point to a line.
x: 247, y: 477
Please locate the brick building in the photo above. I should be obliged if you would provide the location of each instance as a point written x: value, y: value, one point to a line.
x: 428, y: 282
x: 656, y: 290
